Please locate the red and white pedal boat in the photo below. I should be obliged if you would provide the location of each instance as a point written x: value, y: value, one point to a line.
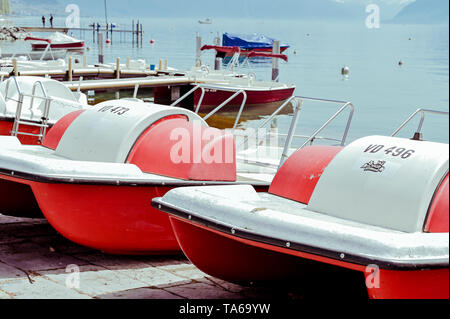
x: 31, y: 105
x: 57, y: 40
x: 97, y: 170
x: 379, y: 206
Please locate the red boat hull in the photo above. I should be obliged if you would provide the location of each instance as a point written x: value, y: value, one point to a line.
x: 113, y: 219
x: 215, y: 97
x: 6, y: 128
x: 74, y: 45
x: 241, y: 260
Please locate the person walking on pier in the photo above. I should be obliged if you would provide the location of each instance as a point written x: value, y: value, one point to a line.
x: 51, y: 20
x: 43, y: 21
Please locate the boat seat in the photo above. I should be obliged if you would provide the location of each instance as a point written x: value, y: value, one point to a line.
x: 108, y: 131
x: 382, y: 181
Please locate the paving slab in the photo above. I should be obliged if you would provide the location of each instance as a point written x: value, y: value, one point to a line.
x: 141, y: 293
x: 202, y: 291
x: 95, y: 280
x: 14, y: 220
x: 32, y: 257
x: 8, y: 272
x: 41, y: 288
x: 185, y: 270
x: 59, y: 244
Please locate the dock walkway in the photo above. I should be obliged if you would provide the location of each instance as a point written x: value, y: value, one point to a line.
x: 34, y: 260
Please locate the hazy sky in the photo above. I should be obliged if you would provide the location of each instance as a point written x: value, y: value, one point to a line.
x: 239, y: 8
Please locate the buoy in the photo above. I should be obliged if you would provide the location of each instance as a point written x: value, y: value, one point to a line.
x: 400, y: 63
x: 152, y: 41
x: 307, y: 34
x: 108, y: 41
x: 295, y: 51
x: 345, y: 70
x: 88, y: 48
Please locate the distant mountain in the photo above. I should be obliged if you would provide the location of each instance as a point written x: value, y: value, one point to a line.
x: 424, y: 12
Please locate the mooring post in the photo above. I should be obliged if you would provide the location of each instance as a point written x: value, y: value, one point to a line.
x: 142, y: 35
x: 100, y: 47
x: 198, y: 61
x: 111, y: 25
x: 118, y: 68
x: 137, y: 33
x: 132, y: 32
x: 217, y: 59
x: 70, y: 69
x: 16, y: 72
x: 93, y: 32
x: 275, y: 68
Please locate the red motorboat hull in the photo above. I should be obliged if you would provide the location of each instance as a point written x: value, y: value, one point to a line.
x: 113, y: 219
x: 6, y: 128
x: 73, y: 45
x: 215, y: 97
x: 241, y: 260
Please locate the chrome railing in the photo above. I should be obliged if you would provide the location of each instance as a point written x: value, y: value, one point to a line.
x: 417, y: 134
x: 297, y: 103
x: 204, y: 87
x: 18, y: 120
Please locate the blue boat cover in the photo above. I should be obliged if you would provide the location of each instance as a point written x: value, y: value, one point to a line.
x: 249, y: 41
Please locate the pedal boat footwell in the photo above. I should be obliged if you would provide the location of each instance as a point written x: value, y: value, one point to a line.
x: 367, y: 209
x: 98, y: 169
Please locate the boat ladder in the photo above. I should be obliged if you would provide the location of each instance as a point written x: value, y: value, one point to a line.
x: 19, y: 120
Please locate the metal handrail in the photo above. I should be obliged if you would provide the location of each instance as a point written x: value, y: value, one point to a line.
x: 297, y: 102
x: 185, y: 95
x: 18, y: 120
x: 331, y: 119
x: 44, y: 92
x: 422, y: 119
x: 202, y: 87
x: 7, y: 87
x: 238, y: 116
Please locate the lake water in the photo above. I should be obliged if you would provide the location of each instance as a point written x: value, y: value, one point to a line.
x: 384, y: 93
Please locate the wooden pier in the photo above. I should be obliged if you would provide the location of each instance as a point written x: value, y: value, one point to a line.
x: 137, y: 31
x: 127, y: 84
x: 45, y: 29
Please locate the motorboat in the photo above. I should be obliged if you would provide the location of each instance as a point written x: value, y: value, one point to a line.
x: 97, y: 169
x: 46, y: 54
x: 221, y: 85
x: 58, y: 40
x: 29, y: 106
x: 251, y: 42
x: 35, y: 56
x: 378, y: 206
x: 205, y: 21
